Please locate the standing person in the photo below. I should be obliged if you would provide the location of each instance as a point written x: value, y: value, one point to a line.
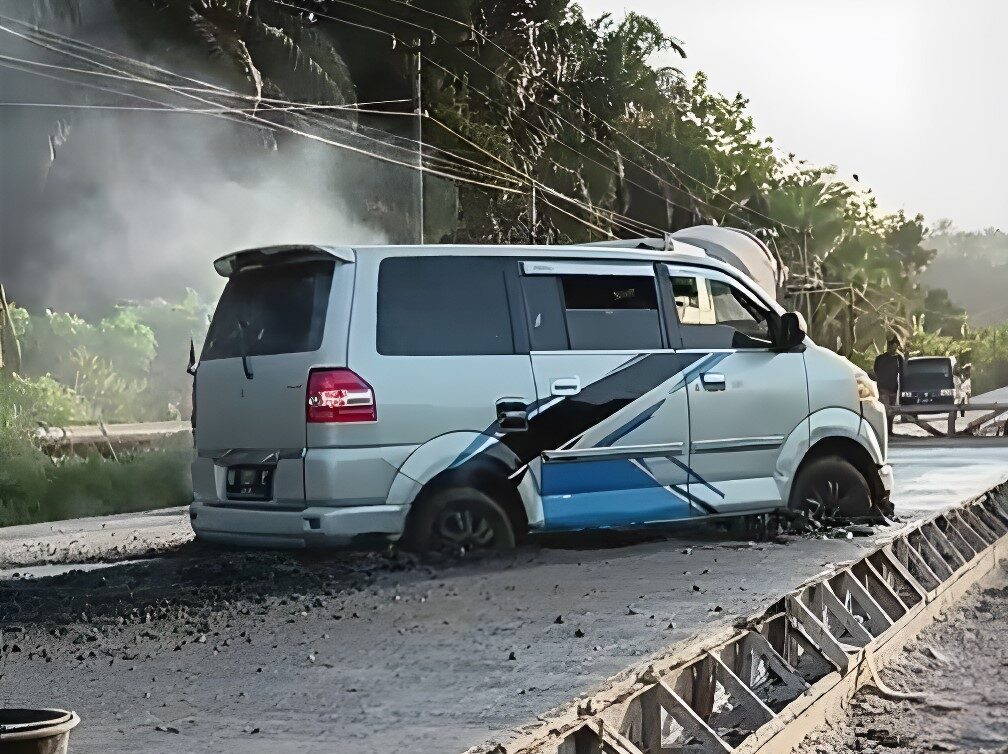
x: 889, y: 374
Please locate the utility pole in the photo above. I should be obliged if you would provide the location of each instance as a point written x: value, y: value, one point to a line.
x: 533, y: 219
x: 850, y: 323
x: 994, y: 360
x: 418, y: 97
x: 10, y: 348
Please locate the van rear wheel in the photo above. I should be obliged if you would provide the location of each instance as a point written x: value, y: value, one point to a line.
x: 457, y: 521
x: 831, y: 487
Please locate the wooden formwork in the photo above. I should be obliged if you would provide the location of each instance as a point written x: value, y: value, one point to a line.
x: 991, y: 417
x: 764, y: 688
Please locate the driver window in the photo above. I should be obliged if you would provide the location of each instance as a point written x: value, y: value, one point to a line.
x: 692, y: 297
x: 716, y: 315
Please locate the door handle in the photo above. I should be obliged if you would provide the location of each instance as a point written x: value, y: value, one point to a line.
x: 713, y: 381
x: 566, y: 386
x: 512, y: 415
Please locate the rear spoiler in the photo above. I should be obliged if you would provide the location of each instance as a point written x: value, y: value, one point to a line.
x: 229, y: 264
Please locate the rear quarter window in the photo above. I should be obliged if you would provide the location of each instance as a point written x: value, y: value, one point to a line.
x: 281, y: 308
x: 443, y: 306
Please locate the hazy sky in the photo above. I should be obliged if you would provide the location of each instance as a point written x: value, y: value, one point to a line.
x: 912, y: 95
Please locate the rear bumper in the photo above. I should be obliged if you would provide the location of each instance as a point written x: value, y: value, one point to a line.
x: 931, y: 399
x: 311, y: 527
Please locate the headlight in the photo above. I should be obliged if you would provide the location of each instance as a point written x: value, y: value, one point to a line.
x: 867, y: 390
x: 946, y: 391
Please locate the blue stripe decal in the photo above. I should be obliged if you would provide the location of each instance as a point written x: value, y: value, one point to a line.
x: 630, y: 426
x: 625, y: 364
x: 473, y: 448
x: 611, y: 493
x: 614, y: 509
x: 706, y: 507
x: 693, y: 475
x: 707, y: 362
x: 673, y: 487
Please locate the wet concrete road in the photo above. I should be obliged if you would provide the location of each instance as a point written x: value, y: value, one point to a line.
x: 252, y: 651
x: 932, y: 474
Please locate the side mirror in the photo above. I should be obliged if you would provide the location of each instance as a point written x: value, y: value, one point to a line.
x: 790, y: 332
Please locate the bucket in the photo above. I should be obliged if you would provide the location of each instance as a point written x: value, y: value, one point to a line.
x: 36, y: 731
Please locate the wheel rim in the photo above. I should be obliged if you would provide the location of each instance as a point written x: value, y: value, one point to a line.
x: 462, y: 528
x: 829, y: 498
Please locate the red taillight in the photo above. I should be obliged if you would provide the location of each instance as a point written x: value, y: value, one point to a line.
x: 339, y: 396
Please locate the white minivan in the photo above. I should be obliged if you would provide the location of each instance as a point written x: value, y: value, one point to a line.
x: 458, y: 397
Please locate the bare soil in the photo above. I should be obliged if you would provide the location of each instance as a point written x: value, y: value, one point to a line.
x: 960, y: 663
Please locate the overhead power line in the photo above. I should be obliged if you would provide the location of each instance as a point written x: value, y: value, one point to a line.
x: 251, y: 117
x: 672, y: 166
x: 52, y: 41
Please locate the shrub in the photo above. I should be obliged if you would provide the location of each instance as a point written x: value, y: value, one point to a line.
x: 129, y: 366
x: 33, y: 488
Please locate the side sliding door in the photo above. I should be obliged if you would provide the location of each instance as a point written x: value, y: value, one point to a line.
x: 609, y: 435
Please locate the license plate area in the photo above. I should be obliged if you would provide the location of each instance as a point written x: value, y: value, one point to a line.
x: 250, y: 482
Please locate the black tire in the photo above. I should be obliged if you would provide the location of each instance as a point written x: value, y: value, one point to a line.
x: 831, y: 487
x: 456, y: 521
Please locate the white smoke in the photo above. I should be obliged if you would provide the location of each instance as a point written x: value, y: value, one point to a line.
x: 146, y: 206
x: 101, y: 206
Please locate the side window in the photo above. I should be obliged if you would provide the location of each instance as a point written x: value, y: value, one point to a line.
x: 692, y: 298
x: 611, y: 312
x: 592, y: 312
x: 734, y: 308
x: 443, y: 306
x: 714, y: 314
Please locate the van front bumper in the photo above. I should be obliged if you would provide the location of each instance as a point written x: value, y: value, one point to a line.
x: 310, y: 527
x: 886, y: 477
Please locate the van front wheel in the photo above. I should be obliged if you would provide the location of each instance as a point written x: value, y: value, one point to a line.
x: 831, y: 487
x: 457, y: 521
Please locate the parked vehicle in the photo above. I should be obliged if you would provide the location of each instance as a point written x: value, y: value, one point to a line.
x: 938, y: 380
x: 461, y: 396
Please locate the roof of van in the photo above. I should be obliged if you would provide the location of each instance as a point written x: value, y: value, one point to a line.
x: 680, y: 252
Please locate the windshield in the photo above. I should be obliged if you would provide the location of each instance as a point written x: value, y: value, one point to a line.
x: 281, y: 308
x: 927, y: 374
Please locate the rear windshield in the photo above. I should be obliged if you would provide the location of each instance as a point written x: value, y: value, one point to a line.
x: 927, y: 375
x: 279, y: 308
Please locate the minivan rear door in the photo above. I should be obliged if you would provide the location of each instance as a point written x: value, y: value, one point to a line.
x: 265, y: 336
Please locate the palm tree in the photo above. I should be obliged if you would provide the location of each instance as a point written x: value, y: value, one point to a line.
x: 255, y: 50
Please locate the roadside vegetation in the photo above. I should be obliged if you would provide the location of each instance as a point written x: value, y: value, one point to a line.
x: 125, y: 367
x: 60, y: 369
